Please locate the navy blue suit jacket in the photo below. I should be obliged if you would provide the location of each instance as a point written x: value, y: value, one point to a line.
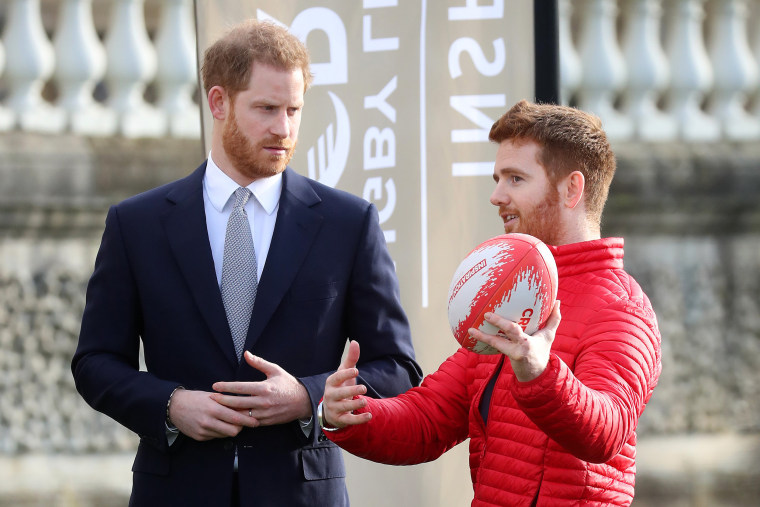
x: 328, y: 277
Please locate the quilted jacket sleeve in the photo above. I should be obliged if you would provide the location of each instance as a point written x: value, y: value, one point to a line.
x: 593, y: 411
x: 417, y: 426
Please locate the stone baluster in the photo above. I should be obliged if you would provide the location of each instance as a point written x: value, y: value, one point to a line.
x: 7, y: 118
x: 691, y: 73
x: 177, y: 76
x: 569, y: 62
x: 736, y: 72
x: 647, y: 72
x: 131, y: 66
x: 603, y: 68
x: 29, y: 63
x: 81, y: 64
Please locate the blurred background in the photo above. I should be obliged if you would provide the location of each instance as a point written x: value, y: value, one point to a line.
x: 99, y: 101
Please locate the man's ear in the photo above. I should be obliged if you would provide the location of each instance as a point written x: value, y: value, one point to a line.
x: 571, y: 189
x: 218, y: 102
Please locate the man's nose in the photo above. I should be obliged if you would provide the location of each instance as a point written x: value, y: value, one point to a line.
x: 498, y: 196
x: 281, y: 125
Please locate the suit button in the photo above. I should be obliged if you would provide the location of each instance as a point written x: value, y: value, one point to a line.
x: 228, y: 445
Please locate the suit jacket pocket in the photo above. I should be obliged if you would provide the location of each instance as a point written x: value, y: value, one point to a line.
x: 314, y: 291
x: 324, y: 462
x: 150, y: 460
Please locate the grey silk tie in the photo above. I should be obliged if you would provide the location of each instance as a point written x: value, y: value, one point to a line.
x: 239, y: 271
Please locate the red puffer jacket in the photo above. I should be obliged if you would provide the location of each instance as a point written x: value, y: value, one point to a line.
x: 565, y: 438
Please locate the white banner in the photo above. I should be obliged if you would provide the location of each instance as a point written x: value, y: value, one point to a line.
x: 403, y: 98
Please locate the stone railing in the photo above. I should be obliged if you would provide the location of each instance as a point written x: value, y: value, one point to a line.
x: 661, y: 70
x: 653, y: 70
x: 72, y: 81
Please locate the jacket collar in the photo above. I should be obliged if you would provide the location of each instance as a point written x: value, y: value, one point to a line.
x: 586, y: 256
x: 298, y: 222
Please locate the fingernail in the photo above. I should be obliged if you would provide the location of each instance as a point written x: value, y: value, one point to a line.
x: 488, y: 315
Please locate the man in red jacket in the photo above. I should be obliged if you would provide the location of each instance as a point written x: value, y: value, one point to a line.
x: 552, y: 419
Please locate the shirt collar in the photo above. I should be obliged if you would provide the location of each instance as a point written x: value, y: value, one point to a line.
x: 220, y: 188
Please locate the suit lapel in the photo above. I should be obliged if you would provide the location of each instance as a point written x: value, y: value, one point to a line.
x: 185, y: 226
x: 295, y: 229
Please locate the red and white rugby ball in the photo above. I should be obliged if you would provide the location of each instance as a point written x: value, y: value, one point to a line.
x: 512, y: 275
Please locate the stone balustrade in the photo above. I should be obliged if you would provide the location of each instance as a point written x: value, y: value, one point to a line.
x: 83, y: 66
x: 653, y: 70
x: 664, y: 70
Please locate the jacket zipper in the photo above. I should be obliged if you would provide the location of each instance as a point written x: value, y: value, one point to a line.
x: 484, y: 424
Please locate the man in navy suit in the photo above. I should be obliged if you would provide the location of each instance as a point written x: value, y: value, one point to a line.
x: 219, y: 426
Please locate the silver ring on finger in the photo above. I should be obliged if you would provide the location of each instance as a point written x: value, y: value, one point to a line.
x: 250, y: 412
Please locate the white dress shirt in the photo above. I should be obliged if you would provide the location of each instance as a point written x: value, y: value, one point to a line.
x: 218, y: 200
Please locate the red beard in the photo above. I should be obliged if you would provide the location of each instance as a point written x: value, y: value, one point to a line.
x: 249, y: 159
x: 542, y: 221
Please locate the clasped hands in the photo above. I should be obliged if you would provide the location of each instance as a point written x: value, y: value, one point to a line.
x: 528, y: 354
x: 279, y: 399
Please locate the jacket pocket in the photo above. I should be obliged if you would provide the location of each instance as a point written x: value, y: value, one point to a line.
x: 322, y: 463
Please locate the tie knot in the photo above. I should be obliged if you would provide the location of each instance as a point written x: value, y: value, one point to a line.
x: 242, y: 195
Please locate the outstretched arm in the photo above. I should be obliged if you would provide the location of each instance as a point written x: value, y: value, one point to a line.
x: 413, y: 427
